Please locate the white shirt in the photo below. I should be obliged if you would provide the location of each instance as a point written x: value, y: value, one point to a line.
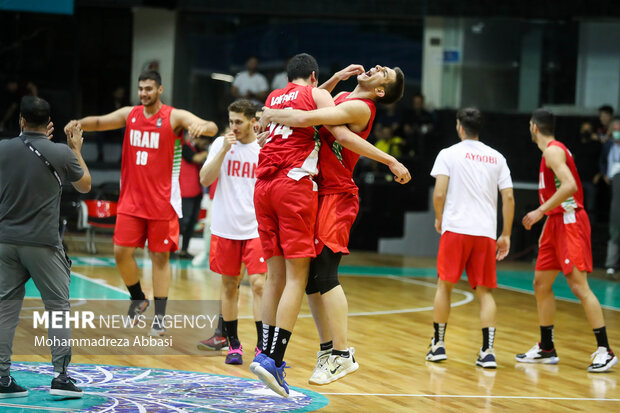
x: 255, y: 83
x: 233, y: 215
x: 476, y: 172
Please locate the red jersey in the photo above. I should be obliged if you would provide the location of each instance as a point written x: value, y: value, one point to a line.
x: 150, y: 167
x: 337, y: 163
x: 293, y: 151
x: 190, y: 176
x: 548, y: 184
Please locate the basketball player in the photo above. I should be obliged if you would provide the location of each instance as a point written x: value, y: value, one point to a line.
x: 339, y: 204
x: 150, y: 201
x: 564, y: 245
x: 286, y: 206
x: 232, y: 161
x: 468, y: 175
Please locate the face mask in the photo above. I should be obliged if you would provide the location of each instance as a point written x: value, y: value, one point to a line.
x: 616, y: 135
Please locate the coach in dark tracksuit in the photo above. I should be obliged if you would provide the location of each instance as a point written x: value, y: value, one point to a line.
x: 32, y: 169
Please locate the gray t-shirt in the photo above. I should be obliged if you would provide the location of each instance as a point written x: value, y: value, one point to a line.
x: 29, y: 193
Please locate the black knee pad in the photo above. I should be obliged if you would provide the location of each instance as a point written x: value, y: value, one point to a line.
x: 324, y: 272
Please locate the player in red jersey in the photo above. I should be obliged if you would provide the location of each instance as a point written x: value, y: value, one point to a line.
x: 150, y: 200
x: 564, y: 245
x: 286, y: 205
x: 339, y: 203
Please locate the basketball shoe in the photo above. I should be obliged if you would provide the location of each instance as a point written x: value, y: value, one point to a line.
x: 273, y: 376
x: 602, y: 360
x: 216, y: 342
x: 336, y: 368
x: 437, y: 351
x: 63, y: 386
x: 538, y: 355
x: 258, y: 358
x: 321, y: 359
x: 157, y: 328
x: 235, y: 355
x: 486, y: 359
x: 9, y: 388
x: 137, y: 308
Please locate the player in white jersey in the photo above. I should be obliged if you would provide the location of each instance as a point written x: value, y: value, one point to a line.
x: 468, y: 176
x: 234, y: 231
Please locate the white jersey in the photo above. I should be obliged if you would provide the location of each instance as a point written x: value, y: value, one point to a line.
x: 476, y: 172
x: 233, y: 204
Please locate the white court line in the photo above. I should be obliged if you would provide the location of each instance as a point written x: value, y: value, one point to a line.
x: 465, y: 396
x: 569, y: 300
x: 38, y: 408
x: 469, y: 297
x: 100, y: 282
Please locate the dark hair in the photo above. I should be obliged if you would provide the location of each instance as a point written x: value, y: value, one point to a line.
x: 606, y: 109
x: 35, y: 111
x: 301, y: 66
x: 471, y: 120
x: 544, y: 119
x: 244, y: 106
x: 394, y: 90
x: 150, y: 75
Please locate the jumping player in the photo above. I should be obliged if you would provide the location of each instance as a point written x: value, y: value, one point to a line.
x: 149, y: 206
x: 564, y: 245
x: 339, y: 203
x: 232, y: 161
x: 468, y: 176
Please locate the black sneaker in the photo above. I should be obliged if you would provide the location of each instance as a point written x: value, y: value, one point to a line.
x: 63, y: 386
x: 9, y: 388
x: 136, y: 308
x: 538, y: 355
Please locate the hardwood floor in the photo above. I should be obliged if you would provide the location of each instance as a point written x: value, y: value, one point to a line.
x: 390, y: 327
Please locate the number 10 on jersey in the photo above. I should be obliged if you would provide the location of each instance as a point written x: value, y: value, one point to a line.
x: 142, y: 157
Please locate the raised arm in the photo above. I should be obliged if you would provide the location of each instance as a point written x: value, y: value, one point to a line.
x: 74, y: 142
x: 556, y: 160
x: 340, y: 75
x: 114, y: 120
x: 183, y: 119
x: 211, y: 170
x: 354, y: 143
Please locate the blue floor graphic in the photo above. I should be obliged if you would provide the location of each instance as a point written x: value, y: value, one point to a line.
x: 114, y: 389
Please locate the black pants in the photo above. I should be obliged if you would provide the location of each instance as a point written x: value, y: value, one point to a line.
x: 191, y: 210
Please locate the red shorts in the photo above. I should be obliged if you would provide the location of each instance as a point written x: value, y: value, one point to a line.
x: 565, y: 243
x: 132, y: 231
x: 286, y: 214
x: 226, y: 256
x: 337, y: 213
x: 474, y: 254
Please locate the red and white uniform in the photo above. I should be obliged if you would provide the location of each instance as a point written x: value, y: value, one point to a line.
x: 234, y: 230
x: 150, y: 198
x: 338, y: 194
x: 565, y: 240
x: 286, y: 197
x: 469, y: 221
x: 151, y: 165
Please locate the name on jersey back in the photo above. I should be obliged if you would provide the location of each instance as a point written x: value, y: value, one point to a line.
x: 287, y: 97
x: 481, y: 158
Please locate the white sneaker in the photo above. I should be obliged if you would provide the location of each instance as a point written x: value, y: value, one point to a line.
x: 486, y: 359
x: 602, y: 360
x: 336, y: 368
x: 321, y: 358
x: 538, y: 355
